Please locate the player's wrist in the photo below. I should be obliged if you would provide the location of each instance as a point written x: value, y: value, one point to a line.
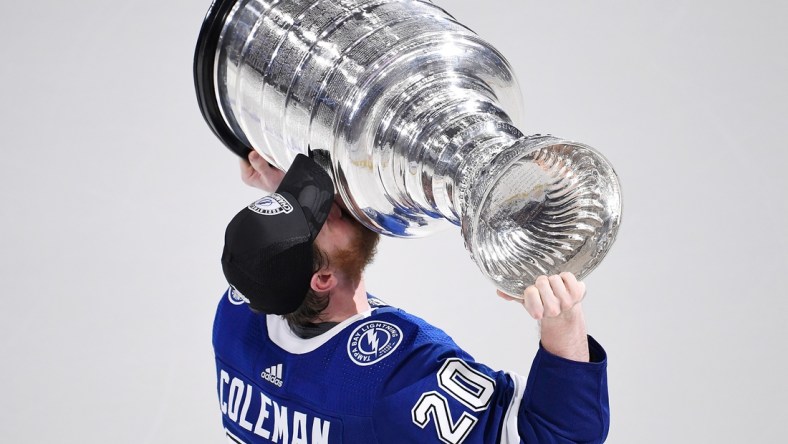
x: 566, y: 335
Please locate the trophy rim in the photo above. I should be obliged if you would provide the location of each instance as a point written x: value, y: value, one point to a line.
x: 205, y: 80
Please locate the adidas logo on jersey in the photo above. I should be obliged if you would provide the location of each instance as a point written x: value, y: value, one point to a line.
x: 273, y: 375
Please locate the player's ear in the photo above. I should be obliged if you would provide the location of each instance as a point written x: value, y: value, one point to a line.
x: 323, y: 280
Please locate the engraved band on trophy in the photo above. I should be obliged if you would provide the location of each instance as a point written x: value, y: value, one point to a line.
x: 413, y: 115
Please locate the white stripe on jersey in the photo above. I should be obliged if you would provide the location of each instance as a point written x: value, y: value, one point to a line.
x: 232, y: 439
x: 509, y: 434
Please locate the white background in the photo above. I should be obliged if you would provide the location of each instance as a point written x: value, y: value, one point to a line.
x: 114, y: 197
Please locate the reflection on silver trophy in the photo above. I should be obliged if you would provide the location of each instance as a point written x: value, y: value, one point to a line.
x: 413, y: 115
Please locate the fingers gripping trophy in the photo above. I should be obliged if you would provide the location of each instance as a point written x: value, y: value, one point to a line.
x: 414, y: 117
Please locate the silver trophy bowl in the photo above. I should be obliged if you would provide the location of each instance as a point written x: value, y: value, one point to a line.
x: 414, y: 116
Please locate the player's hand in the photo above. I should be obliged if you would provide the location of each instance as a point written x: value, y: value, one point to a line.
x: 257, y: 172
x: 555, y: 302
x: 551, y: 296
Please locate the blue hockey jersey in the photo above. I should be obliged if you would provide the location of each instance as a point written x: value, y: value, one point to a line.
x: 385, y: 376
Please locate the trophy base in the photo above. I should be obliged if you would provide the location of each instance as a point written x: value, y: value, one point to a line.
x: 545, y: 206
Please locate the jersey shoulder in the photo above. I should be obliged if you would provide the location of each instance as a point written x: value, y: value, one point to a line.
x: 420, y: 336
x: 237, y: 331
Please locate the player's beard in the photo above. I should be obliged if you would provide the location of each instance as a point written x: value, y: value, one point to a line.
x: 353, y: 260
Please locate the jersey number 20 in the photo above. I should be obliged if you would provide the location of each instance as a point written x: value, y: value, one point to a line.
x: 466, y: 385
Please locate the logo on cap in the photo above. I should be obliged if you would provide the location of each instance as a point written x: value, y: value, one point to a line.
x: 271, y: 205
x: 372, y: 341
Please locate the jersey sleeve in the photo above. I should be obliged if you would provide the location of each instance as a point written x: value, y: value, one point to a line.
x: 440, y: 394
x: 565, y: 401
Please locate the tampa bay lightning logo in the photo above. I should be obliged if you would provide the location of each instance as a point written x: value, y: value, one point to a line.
x: 235, y: 296
x: 271, y: 205
x: 372, y: 341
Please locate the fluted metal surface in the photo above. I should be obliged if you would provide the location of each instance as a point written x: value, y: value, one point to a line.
x: 564, y: 215
x: 415, y: 118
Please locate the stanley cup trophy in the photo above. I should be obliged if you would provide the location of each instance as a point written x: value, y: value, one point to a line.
x: 413, y: 116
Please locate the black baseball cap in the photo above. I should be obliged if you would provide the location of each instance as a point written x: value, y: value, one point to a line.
x: 267, y: 255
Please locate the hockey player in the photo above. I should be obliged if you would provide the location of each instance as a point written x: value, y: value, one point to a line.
x: 305, y: 355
